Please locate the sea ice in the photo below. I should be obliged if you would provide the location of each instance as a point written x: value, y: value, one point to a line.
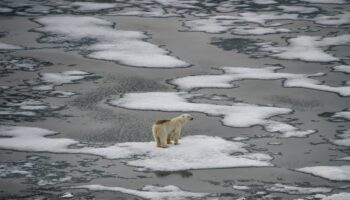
x: 342, y: 114
x: 149, y: 192
x: 92, y: 6
x: 342, y: 68
x: 219, y: 24
x: 299, y: 9
x: 307, y: 48
x: 100, y: 40
x: 264, y: 2
x: 338, y: 196
x: 4, y: 46
x: 267, y: 73
x: 205, y: 151
x: 236, y: 115
x: 327, y: 1
x: 334, y: 173
x: 333, y: 20
x: 63, y: 77
x: 278, y: 187
x: 249, y: 30
x: 344, y: 138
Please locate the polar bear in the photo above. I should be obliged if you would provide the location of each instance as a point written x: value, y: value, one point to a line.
x: 163, y: 130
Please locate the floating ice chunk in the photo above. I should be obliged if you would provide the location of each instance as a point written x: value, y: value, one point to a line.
x: 297, y: 189
x: 342, y: 114
x: 240, y: 187
x: 307, y: 48
x: 334, y: 20
x: 149, y: 192
x: 249, y: 30
x: 43, y: 87
x: 92, y: 6
x: 334, y: 173
x: 62, y: 94
x: 67, y: 195
x: 338, y: 196
x: 299, y: 9
x: 344, y: 138
x: 4, y: 46
x: 195, y: 152
x: 18, y: 113
x: 5, y: 10
x: 153, y: 12
x: 106, y: 43
x: 236, y: 115
x: 219, y: 24
x: 31, y: 139
x: 327, y: 1
x: 342, y: 68
x: 64, y: 77
x: 264, y: 2
x: 267, y: 73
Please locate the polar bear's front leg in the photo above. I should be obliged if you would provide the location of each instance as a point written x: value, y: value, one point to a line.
x: 177, y: 133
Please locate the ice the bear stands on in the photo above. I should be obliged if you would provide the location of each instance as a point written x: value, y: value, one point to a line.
x: 163, y: 130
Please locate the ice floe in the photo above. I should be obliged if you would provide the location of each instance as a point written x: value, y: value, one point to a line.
x: 342, y: 114
x: 335, y: 173
x: 333, y: 20
x: 307, y: 48
x: 149, y: 192
x: 249, y: 30
x: 92, y: 6
x: 290, y: 189
x: 232, y: 74
x: 219, y: 24
x: 299, y: 9
x: 235, y: 115
x: 264, y: 2
x: 205, y: 151
x: 342, y: 68
x: 344, y: 138
x: 326, y: 1
x: 338, y: 196
x: 64, y: 77
x: 105, y: 42
x: 5, y: 46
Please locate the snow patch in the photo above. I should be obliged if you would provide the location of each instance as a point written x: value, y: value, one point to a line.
x: 307, y: 48
x: 342, y: 68
x: 236, y: 115
x: 278, y: 187
x: 4, y: 46
x: 334, y: 173
x: 63, y: 77
x: 233, y: 74
x: 194, y: 152
x: 149, y: 192
x: 105, y: 42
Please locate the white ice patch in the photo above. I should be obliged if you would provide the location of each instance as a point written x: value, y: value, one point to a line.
x: 149, y: 192
x: 344, y: 138
x: 342, y: 114
x: 194, y: 152
x: 236, y: 115
x: 342, y: 68
x: 63, y: 77
x: 333, y: 20
x: 339, y: 196
x: 299, y: 9
x: 264, y: 2
x: 4, y: 46
x: 92, y: 6
x: 267, y: 73
x: 326, y: 1
x: 334, y: 173
x: 290, y: 189
x: 219, y: 24
x: 107, y: 43
x: 249, y: 30
x: 240, y: 187
x: 307, y: 48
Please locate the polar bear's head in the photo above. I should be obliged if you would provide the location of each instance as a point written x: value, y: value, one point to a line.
x: 186, y: 117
